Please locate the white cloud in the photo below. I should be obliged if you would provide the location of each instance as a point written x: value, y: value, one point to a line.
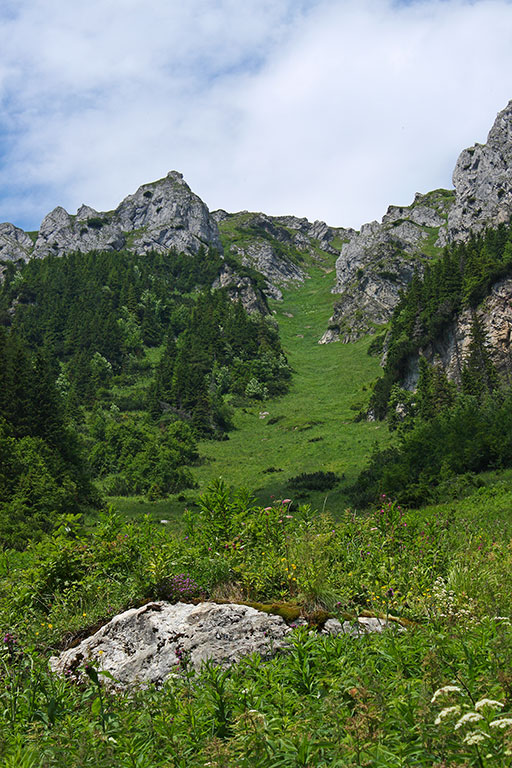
x: 329, y: 109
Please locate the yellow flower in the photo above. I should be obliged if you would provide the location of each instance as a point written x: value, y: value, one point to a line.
x: 50, y: 626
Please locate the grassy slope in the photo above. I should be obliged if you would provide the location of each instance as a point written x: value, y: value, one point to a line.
x: 314, y: 428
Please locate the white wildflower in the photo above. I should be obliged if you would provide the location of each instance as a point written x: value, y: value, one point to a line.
x: 469, y: 717
x: 443, y: 690
x: 444, y: 713
x: 475, y: 737
x: 488, y: 703
x: 503, y: 722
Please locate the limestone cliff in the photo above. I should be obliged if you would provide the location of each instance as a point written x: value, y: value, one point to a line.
x: 15, y: 244
x: 451, y: 349
x: 483, y: 182
x: 380, y: 260
x: 276, y: 246
x: 162, y: 215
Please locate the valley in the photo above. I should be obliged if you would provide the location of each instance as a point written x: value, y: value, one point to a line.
x: 311, y: 428
x: 178, y: 450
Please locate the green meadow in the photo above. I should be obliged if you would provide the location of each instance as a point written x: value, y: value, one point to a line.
x: 311, y: 428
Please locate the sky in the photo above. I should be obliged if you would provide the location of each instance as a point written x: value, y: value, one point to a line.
x: 329, y: 109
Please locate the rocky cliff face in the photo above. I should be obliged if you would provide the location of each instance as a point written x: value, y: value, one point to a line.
x: 380, y: 260
x: 483, y: 182
x: 162, y: 215
x: 276, y: 246
x: 451, y: 349
x: 15, y: 244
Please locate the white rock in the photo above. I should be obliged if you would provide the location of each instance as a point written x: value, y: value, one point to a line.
x: 144, y: 645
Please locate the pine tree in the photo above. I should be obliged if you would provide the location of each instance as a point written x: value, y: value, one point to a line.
x: 479, y: 375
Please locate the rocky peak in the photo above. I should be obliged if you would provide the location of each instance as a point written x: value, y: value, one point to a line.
x: 276, y: 246
x: 158, y: 216
x: 380, y: 260
x: 15, y: 244
x: 166, y: 214
x: 483, y: 182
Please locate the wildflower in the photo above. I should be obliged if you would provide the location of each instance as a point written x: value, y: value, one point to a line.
x: 475, y: 737
x: 286, y: 501
x: 443, y: 690
x: 444, y: 713
x: 488, y: 703
x: 469, y: 717
x: 502, y: 722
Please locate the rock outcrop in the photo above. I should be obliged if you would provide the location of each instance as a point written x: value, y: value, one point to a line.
x: 451, y: 349
x: 483, y: 182
x: 146, y: 645
x: 275, y: 246
x: 162, y: 215
x: 379, y: 261
x: 15, y: 244
x: 241, y: 288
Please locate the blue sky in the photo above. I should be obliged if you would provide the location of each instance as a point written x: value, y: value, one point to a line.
x: 330, y: 109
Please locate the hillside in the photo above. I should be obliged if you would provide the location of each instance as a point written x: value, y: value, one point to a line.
x: 190, y: 472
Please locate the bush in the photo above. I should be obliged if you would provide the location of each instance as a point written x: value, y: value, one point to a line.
x: 314, y: 481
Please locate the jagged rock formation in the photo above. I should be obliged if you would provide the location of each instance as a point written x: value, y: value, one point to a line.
x: 483, y: 182
x: 379, y: 260
x: 451, y: 349
x: 15, y: 244
x: 162, y: 215
x: 167, y: 214
x: 241, y: 288
x: 275, y: 246
x: 146, y: 645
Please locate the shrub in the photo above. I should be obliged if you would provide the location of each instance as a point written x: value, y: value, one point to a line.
x: 314, y: 481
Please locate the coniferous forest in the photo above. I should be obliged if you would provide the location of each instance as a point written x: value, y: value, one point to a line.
x: 82, y: 335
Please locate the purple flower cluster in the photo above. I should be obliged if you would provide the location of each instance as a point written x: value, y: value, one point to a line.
x: 182, y: 658
x: 183, y: 587
x: 15, y: 652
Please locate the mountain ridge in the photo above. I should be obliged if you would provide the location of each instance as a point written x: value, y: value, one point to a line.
x: 380, y: 260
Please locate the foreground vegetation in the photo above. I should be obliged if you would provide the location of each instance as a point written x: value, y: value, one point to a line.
x: 444, y: 572
x: 139, y: 414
